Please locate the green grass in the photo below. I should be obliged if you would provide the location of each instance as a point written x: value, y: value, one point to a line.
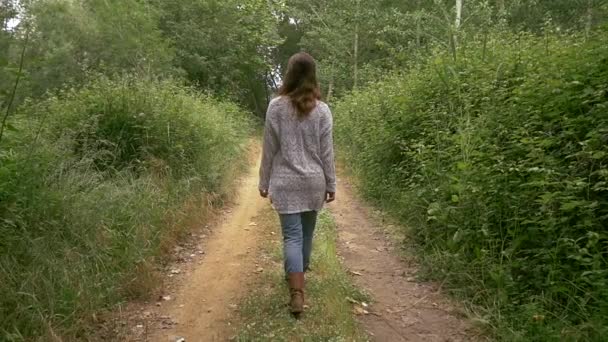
x: 264, y: 314
x: 96, y: 185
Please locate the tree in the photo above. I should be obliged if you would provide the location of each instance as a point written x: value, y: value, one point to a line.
x: 70, y: 40
x: 223, y: 46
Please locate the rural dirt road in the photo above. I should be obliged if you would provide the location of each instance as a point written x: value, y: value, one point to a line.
x: 202, y: 308
x: 403, y: 308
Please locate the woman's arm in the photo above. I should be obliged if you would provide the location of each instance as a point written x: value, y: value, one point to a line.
x: 269, y: 150
x: 327, y: 154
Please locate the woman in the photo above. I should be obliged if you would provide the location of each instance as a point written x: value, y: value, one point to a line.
x: 297, y: 170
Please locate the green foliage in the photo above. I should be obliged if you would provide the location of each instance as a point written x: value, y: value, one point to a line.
x: 72, y: 38
x: 375, y: 37
x: 92, y: 183
x: 223, y: 46
x: 499, y: 164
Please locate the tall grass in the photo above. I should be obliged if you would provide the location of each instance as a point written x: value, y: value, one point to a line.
x: 94, y: 183
x: 499, y: 164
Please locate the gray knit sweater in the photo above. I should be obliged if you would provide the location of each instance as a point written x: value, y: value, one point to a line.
x: 298, y: 157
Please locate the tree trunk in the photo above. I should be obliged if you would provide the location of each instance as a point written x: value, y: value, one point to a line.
x: 589, y: 23
x: 16, y: 86
x: 457, y: 24
x: 501, y: 6
x: 330, y: 89
x: 458, y: 14
x: 419, y: 30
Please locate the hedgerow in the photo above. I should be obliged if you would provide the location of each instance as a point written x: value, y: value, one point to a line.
x: 498, y: 164
x: 94, y: 183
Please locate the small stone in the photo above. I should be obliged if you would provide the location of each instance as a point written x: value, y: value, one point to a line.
x: 360, y: 311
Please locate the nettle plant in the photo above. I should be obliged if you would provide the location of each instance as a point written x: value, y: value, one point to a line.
x: 498, y: 163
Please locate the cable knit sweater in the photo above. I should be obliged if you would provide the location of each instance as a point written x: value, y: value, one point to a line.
x: 298, y: 157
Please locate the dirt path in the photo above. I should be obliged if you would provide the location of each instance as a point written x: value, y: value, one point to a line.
x: 203, y: 306
x: 403, y: 309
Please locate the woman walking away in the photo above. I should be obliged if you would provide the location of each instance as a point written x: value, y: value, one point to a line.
x: 298, y: 171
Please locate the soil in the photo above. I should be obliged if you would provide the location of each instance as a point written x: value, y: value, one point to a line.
x: 201, y: 300
x: 203, y: 306
x: 403, y: 308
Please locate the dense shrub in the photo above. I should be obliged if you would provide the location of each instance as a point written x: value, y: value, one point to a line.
x: 499, y: 164
x: 92, y: 183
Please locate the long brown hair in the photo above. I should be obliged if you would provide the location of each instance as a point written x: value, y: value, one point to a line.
x: 300, y: 83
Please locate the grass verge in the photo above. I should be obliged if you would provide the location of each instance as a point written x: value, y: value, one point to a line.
x: 264, y: 313
x: 96, y: 185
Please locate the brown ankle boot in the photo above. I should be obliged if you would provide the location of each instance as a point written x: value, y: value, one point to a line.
x: 296, y: 289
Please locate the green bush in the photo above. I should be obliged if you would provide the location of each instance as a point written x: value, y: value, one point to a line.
x: 499, y: 164
x: 91, y: 184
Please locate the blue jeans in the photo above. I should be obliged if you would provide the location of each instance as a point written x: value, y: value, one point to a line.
x: 298, y: 230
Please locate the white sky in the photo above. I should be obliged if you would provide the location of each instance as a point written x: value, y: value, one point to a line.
x: 12, y: 23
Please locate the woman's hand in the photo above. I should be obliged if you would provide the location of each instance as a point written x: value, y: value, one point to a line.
x: 330, y: 197
x: 264, y: 193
